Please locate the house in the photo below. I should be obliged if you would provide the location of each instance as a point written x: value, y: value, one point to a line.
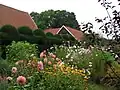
x: 15, y: 18
x: 65, y: 30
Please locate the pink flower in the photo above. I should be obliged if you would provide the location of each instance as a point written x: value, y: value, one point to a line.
x: 53, y: 55
x: 49, y: 62
x: 43, y: 54
x: 40, y: 65
x: 14, y: 69
x: 59, y: 62
x: 21, y: 80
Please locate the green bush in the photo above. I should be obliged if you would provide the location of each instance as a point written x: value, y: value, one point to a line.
x: 57, y: 81
x: 25, y: 30
x: 4, y: 68
x: 38, y: 33
x: 9, y: 32
x: 20, y: 51
x: 64, y: 82
x: 49, y: 34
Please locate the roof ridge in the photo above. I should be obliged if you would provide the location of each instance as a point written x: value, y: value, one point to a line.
x: 12, y: 8
x: 51, y: 28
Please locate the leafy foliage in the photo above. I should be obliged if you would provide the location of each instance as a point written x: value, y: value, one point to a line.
x: 53, y: 19
x: 20, y: 51
x: 4, y: 68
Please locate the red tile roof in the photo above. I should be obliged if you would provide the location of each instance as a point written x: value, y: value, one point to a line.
x: 15, y: 17
x: 76, y: 33
x: 52, y: 30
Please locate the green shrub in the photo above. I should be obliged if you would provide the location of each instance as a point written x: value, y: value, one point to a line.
x: 20, y: 50
x: 25, y: 30
x: 9, y: 32
x: 4, y: 68
x: 49, y: 34
x: 38, y: 32
x: 57, y: 81
x: 64, y: 82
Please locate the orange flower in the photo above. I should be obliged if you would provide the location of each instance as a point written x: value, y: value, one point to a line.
x: 14, y: 69
x: 21, y: 80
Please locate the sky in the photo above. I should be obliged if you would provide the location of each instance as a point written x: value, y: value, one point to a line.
x: 85, y: 10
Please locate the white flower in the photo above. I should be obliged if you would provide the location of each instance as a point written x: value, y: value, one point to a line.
x: 85, y: 77
x: 51, y: 47
x: 79, y: 52
x: 71, y: 57
x: 96, y: 55
x: 76, y: 50
x: 71, y: 60
x: 83, y: 70
x: 88, y: 72
x: 9, y: 78
x: 116, y: 56
x: 32, y: 55
x: 67, y: 56
x: 90, y: 65
x: 74, y: 46
x: 90, y: 62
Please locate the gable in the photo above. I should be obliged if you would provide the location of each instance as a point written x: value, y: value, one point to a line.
x: 63, y: 31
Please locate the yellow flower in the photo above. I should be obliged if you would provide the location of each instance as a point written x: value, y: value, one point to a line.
x: 82, y: 74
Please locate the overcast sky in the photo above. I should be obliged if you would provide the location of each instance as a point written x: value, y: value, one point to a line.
x: 85, y: 10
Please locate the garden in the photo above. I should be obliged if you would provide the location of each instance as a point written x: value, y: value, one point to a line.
x: 60, y: 67
x: 34, y: 60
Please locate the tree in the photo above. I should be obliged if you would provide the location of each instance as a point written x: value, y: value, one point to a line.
x: 111, y: 23
x: 54, y: 19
